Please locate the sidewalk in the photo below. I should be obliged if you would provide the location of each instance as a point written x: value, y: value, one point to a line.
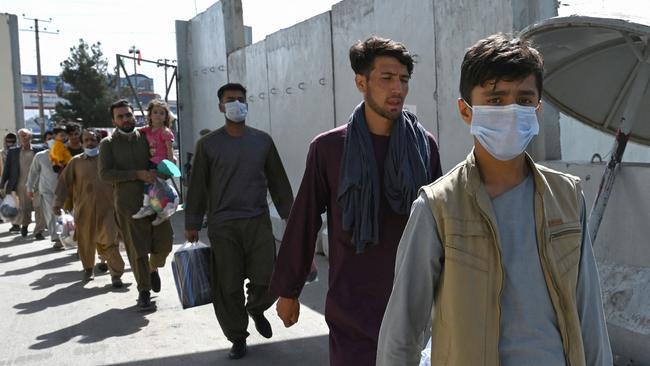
x: 51, y: 317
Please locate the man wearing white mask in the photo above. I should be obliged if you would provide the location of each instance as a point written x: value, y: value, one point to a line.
x: 94, y: 214
x: 497, y: 247
x: 42, y: 181
x: 233, y: 168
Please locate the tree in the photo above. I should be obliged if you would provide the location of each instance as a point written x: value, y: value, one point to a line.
x: 90, y: 96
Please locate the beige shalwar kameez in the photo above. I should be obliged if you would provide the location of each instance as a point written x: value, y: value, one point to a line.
x: 94, y: 215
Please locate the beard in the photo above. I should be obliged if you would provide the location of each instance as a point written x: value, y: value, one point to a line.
x: 127, y: 128
x: 370, y: 100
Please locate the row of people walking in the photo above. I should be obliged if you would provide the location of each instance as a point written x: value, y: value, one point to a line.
x: 492, y: 259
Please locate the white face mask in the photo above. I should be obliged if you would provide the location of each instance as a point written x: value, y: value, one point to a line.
x: 504, y: 131
x: 50, y: 143
x: 236, y: 111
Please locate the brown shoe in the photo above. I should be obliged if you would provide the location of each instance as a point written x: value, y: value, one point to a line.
x: 116, y: 281
x: 57, y: 244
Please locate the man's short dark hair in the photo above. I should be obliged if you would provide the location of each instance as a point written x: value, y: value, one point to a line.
x: 230, y: 86
x: 74, y: 126
x: 11, y: 137
x: 119, y: 104
x: 48, y: 133
x: 93, y: 132
x: 363, y: 54
x: 500, y: 57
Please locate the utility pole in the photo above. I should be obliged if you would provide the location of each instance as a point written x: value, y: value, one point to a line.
x: 165, y: 62
x: 136, y: 53
x: 39, y: 75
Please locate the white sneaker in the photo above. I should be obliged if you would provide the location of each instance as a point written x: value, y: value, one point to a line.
x: 144, y: 212
x: 159, y: 220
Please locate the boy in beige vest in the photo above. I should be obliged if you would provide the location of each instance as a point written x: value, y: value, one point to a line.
x: 496, y: 259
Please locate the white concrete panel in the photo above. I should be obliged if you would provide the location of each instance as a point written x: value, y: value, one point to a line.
x: 10, y: 100
x: 248, y: 67
x: 458, y: 25
x: 352, y: 20
x: 300, y: 84
x: 184, y: 54
x: 237, y: 67
x: 208, y: 67
x: 411, y: 22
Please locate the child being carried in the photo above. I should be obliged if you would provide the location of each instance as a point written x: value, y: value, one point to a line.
x: 160, y: 198
x: 59, y: 154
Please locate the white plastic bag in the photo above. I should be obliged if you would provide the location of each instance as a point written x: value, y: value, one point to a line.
x: 8, y: 208
x: 65, y: 229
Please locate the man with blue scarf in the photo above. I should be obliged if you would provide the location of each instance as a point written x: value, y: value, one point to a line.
x: 365, y: 174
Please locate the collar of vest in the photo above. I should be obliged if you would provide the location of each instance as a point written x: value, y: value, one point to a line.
x: 473, y: 177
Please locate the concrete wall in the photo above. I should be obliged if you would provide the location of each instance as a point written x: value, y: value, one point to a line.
x: 11, y: 102
x: 301, y: 93
x: 438, y: 43
x: 352, y: 20
x: 623, y: 254
x: 248, y: 67
x: 458, y: 25
x: 203, y: 45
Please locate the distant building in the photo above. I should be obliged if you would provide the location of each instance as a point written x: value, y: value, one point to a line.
x: 142, y: 83
x: 30, y: 91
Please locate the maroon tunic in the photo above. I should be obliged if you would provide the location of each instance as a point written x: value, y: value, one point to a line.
x: 359, y: 284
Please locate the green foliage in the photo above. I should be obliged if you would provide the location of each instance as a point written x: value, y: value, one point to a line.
x: 86, y: 70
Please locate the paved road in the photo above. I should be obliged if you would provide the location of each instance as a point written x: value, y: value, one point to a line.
x: 48, y: 316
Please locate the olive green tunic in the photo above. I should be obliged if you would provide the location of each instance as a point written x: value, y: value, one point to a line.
x: 120, y: 156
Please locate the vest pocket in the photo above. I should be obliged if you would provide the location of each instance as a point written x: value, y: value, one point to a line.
x: 467, y: 242
x: 466, y: 259
x: 565, y: 242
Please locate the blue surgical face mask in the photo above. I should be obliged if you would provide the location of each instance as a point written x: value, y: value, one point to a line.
x: 504, y: 131
x: 92, y: 152
x: 50, y: 143
x: 236, y: 111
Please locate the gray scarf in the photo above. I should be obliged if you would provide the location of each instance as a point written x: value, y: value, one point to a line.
x: 407, y: 168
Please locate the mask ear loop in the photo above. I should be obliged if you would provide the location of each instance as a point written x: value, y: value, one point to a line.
x: 468, y: 105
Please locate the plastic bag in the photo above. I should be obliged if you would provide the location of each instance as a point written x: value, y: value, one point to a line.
x: 163, y: 198
x: 65, y: 229
x: 191, y: 269
x: 8, y: 208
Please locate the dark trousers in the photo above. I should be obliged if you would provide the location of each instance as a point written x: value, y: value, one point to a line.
x: 147, y: 246
x: 241, y: 249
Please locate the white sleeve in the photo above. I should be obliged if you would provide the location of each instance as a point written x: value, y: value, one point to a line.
x: 417, y: 269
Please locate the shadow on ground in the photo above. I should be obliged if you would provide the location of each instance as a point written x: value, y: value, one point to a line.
x: 9, y: 258
x: 111, y: 323
x: 51, y: 264
x: 67, y: 295
x: 302, y: 351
